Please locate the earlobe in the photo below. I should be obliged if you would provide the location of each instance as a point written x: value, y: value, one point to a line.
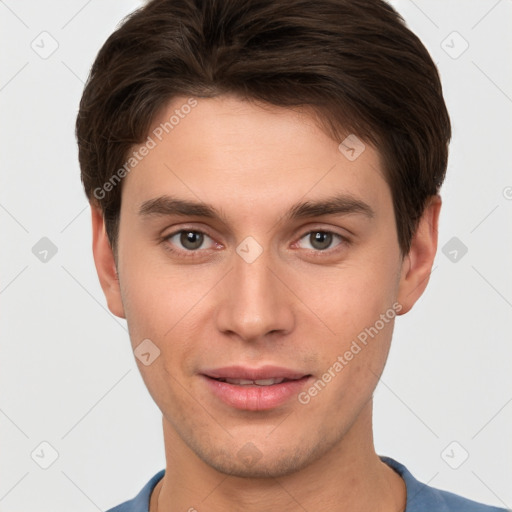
x: 105, y: 263
x: 417, y: 265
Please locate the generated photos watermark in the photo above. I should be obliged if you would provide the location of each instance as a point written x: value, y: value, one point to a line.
x: 151, y: 142
x: 341, y: 361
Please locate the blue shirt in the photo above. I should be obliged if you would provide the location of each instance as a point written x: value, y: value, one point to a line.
x: 420, y: 497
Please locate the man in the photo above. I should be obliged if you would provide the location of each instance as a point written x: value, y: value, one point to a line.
x: 264, y: 185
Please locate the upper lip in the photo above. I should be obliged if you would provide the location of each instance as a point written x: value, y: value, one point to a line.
x: 243, y: 372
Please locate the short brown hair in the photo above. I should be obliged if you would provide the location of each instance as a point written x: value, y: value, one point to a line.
x: 354, y: 62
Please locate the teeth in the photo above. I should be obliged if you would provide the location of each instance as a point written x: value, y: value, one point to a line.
x: 240, y: 382
x: 268, y: 382
x: 246, y: 382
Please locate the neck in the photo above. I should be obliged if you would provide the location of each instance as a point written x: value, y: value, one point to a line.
x: 350, y: 476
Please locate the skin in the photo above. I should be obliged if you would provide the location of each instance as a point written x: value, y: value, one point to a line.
x: 296, y: 306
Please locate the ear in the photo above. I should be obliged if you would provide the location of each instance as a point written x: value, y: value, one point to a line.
x: 105, y: 263
x: 417, y: 265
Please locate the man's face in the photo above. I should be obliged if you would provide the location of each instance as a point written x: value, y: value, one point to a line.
x: 255, y: 292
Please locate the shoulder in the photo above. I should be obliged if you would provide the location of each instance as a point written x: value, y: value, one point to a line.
x: 141, y: 502
x: 455, y: 502
x: 423, y: 498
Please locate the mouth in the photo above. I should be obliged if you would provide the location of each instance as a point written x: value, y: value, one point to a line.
x: 255, y: 389
x: 259, y: 382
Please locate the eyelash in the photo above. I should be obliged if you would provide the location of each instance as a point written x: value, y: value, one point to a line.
x: 197, y: 253
x: 183, y: 252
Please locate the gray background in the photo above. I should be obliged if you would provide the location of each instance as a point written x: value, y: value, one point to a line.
x: 68, y: 376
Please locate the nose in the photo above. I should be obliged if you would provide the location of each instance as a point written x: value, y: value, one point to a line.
x: 255, y: 301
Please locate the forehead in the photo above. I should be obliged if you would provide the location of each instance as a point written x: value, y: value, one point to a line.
x: 248, y: 156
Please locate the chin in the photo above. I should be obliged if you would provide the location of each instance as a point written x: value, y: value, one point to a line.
x: 260, y: 469
x: 252, y: 462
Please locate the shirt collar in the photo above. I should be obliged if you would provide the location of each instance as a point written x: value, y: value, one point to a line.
x: 420, y: 497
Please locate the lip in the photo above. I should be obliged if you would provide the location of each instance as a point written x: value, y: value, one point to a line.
x: 254, y: 397
x: 244, y: 372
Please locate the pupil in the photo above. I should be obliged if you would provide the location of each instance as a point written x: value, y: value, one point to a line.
x: 191, y: 239
x: 321, y: 240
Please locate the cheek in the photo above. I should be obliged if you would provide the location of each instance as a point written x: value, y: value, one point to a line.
x: 155, y: 296
x: 355, y: 306
x: 143, y: 301
x: 166, y: 305
x: 353, y: 360
x: 156, y: 309
x: 347, y: 300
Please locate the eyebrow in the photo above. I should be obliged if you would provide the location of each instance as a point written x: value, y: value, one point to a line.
x: 340, y: 204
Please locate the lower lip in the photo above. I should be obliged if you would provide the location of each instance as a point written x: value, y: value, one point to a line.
x: 256, y: 398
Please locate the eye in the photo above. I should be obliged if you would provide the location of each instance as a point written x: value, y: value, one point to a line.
x: 321, y: 240
x: 189, y: 240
